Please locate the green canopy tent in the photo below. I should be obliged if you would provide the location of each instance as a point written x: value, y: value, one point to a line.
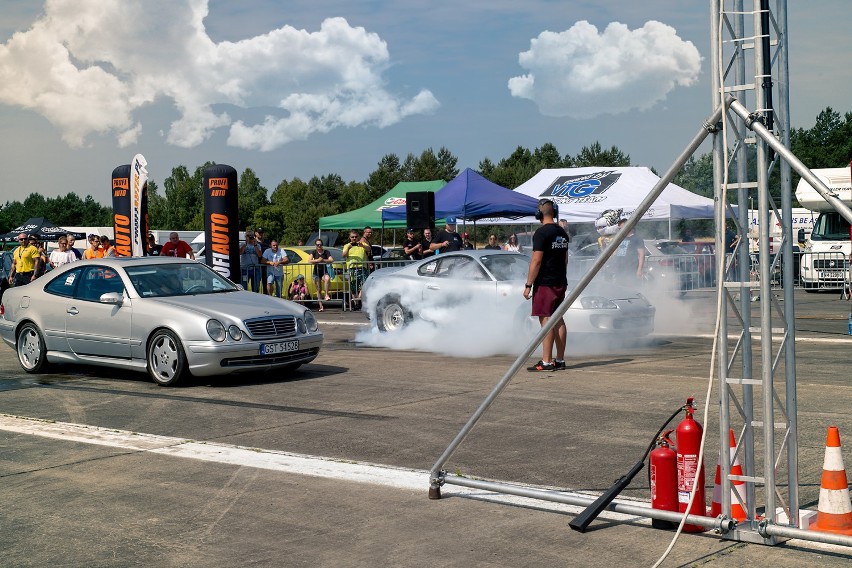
x: 371, y: 215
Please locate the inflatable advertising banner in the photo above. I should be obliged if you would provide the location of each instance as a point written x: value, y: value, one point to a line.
x: 121, y: 212
x: 130, y: 207
x: 221, y: 232
x: 138, y: 206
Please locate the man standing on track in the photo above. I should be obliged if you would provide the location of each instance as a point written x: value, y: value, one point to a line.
x: 547, y: 282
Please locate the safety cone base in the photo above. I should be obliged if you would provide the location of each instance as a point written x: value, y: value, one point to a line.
x: 834, y: 513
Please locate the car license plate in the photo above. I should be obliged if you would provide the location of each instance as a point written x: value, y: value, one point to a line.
x: 831, y: 274
x: 275, y: 348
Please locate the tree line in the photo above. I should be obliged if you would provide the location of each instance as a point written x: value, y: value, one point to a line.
x: 291, y: 211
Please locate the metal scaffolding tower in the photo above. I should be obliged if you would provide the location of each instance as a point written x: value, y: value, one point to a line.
x: 757, y: 333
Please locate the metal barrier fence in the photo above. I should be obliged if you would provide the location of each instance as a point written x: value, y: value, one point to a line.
x: 344, y: 287
x: 677, y: 273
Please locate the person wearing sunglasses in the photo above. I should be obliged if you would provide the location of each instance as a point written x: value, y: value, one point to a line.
x: 321, y: 259
x: 25, y: 261
x: 61, y: 255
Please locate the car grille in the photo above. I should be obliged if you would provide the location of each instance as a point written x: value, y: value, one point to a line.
x: 283, y: 358
x: 271, y: 327
x: 830, y: 263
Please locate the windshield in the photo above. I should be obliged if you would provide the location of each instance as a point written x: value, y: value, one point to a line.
x: 830, y: 227
x: 507, y: 266
x: 177, y: 279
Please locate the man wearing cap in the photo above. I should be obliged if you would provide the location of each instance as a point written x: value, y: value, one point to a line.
x: 154, y: 249
x: 447, y: 239
x: 413, y: 248
x: 25, y: 260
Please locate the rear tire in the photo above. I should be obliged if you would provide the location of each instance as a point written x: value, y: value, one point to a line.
x: 32, y: 352
x: 166, y: 360
x: 391, y: 316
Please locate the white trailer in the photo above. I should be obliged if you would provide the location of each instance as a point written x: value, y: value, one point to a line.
x: 803, y: 224
x: 825, y: 259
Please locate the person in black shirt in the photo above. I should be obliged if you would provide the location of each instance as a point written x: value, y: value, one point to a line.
x: 411, y: 246
x: 153, y: 248
x: 547, y: 282
x: 466, y: 244
x: 492, y: 243
x: 447, y: 239
x: 630, y: 255
x: 425, y: 244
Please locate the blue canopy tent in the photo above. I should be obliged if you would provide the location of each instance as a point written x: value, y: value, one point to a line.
x: 470, y: 196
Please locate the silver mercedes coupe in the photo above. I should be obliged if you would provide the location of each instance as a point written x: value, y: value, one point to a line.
x: 169, y: 316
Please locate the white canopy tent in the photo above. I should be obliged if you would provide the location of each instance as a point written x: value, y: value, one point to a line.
x: 583, y: 194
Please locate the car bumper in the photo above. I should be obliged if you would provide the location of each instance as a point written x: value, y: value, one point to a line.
x: 208, y: 359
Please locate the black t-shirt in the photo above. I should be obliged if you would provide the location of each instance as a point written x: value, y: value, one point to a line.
x: 552, y: 241
x: 409, y: 243
x: 320, y: 269
x: 454, y: 239
x: 627, y: 255
x: 492, y: 247
x: 155, y: 250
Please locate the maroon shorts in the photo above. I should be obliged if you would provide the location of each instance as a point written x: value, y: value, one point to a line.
x: 546, y: 299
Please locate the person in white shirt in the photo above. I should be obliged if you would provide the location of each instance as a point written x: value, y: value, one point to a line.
x: 62, y: 255
x: 274, y: 258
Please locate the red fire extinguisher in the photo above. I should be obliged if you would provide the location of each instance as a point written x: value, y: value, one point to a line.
x: 688, y: 444
x: 663, y: 472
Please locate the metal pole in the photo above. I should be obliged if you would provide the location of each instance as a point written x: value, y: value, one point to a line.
x: 767, y: 375
x: 791, y: 159
x: 783, y: 113
x: 720, y: 524
x: 709, y: 124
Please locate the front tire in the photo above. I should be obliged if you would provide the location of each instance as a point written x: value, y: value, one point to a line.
x: 390, y: 315
x: 32, y: 352
x: 166, y: 360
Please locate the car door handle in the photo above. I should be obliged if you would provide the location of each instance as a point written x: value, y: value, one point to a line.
x: 73, y: 311
x: 432, y: 287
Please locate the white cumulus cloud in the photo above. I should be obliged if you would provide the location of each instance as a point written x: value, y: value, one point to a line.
x: 583, y: 73
x: 89, y: 65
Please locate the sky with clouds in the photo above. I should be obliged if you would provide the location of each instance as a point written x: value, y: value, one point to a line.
x: 299, y: 88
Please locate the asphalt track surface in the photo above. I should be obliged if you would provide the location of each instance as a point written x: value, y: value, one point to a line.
x: 328, y: 466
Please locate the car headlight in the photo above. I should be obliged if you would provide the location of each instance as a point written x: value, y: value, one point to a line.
x: 597, y: 303
x: 216, y: 330
x: 311, y: 321
x: 235, y: 333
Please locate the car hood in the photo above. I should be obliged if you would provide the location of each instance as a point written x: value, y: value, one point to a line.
x: 607, y: 290
x: 239, y: 304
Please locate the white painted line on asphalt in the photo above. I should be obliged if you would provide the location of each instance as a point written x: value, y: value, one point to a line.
x: 314, y: 466
x: 299, y: 464
x: 350, y: 323
x: 755, y: 336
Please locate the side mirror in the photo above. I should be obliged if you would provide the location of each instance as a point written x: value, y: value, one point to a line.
x: 115, y: 298
x: 801, y: 235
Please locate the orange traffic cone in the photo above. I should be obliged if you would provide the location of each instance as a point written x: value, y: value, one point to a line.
x: 737, y: 510
x: 834, y: 512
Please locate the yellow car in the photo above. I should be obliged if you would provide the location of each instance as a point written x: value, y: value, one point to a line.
x: 298, y: 258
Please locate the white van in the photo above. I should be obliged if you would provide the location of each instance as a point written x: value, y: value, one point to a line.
x: 825, y: 259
